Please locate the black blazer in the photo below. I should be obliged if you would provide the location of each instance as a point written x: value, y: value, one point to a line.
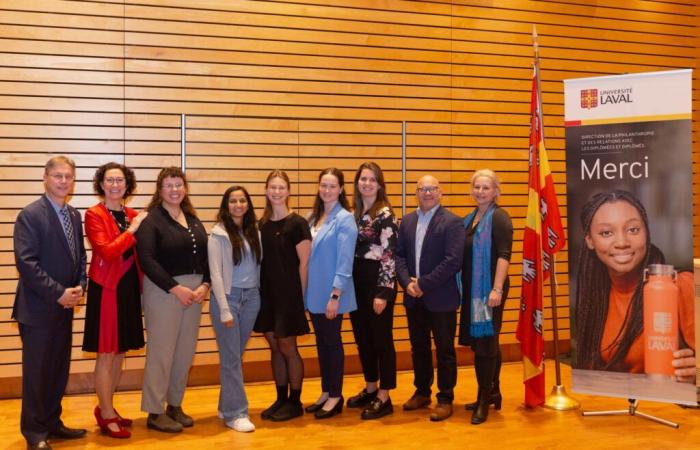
x: 440, y: 260
x: 45, y: 265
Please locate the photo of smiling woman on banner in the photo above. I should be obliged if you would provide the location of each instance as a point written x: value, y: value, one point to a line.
x: 613, y: 290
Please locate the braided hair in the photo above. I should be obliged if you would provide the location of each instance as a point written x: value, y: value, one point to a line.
x: 593, y: 291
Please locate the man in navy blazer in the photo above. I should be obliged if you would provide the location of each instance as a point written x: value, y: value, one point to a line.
x: 429, y: 256
x: 50, y: 257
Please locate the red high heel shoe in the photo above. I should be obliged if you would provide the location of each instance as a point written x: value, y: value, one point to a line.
x: 98, y: 416
x: 123, y: 421
x: 121, y: 432
x: 103, y: 423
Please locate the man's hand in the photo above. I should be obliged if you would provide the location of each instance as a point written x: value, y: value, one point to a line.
x: 414, y: 289
x: 71, y: 297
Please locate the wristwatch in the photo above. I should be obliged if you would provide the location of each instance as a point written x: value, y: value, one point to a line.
x: 335, y: 297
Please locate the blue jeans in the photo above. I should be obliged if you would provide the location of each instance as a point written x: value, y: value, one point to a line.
x: 244, y: 305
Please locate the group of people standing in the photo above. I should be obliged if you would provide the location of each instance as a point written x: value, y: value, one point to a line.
x: 263, y: 275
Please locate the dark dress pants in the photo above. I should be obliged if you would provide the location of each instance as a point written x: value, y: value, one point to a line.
x: 45, y: 366
x: 373, y: 332
x: 331, y: 356
x: 442, y: 325
x: 487, y: 349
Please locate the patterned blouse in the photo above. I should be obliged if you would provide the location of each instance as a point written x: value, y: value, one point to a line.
x: 377, y: 240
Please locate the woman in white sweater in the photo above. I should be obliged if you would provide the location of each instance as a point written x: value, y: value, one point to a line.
x: 234, y: 263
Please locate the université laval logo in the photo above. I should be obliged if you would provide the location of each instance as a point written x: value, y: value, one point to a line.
x: 589, y: 98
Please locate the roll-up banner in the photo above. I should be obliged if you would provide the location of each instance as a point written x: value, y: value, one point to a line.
x: 630, y: 223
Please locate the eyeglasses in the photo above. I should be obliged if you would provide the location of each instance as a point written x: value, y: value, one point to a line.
x: 115, y: 180
x: 62, y: 176
x: 428, y: 189
x: 172, y: 187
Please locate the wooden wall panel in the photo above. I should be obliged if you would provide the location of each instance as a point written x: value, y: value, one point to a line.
x: 302, y: 86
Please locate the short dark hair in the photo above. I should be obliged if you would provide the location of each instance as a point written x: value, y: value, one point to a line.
x: 100, y: 177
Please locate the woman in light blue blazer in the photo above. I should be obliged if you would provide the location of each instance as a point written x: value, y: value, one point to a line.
x: 330, y: 292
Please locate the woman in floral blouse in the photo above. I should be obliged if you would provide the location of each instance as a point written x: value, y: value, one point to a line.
x: 374, y: 275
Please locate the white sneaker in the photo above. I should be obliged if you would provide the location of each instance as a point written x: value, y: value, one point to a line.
x: 242, y: 424
x: 219, y: 414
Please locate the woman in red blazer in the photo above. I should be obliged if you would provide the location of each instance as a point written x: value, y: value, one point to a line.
x: 113, y: 318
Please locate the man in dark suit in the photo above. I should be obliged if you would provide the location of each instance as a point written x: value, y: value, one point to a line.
x: 429, y: 256
x: 50, y: 257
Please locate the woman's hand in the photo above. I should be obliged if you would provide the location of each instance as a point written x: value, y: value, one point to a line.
x: 379, y: 305
x: 684, y: 363
x: 136, y: 222
x: 495, y: 297
x: 201, y: 292
x: 184, y: 294
x: 332, y: 308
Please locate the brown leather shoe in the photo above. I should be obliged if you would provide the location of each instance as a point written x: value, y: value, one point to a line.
x: 441, y: 412
x: 416, y: 402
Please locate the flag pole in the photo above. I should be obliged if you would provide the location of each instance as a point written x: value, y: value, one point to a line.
x: 558, y: 399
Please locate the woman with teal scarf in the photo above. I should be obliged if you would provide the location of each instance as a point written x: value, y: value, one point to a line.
x: 489, y: 240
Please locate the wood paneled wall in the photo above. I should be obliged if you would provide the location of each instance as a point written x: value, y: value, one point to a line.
x: 302, y: 85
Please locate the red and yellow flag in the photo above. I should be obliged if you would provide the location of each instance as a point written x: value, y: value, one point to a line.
x: 544, y: 236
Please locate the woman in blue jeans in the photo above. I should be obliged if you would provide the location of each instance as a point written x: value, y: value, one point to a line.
x: 234, y: 262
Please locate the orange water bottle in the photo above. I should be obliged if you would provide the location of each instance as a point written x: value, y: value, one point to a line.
x: 660, y: 319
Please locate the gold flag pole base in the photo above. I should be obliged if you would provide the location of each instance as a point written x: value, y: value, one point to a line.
x: 558, y: 399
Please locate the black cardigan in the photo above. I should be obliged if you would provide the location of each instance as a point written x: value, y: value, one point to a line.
x: 167, y: 249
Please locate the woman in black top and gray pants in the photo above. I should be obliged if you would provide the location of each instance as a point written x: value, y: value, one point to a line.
x: 173, y: 254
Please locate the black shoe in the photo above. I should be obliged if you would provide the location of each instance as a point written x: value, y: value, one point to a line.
x: 288, y: 411
x: 481, y: 413
x: 325, y: 414
x: 266, y: 414
x: 63, y: 432
x: 362, y: 399
x: 377, y: 409
x: 41, y: 445
x: 312, y: 408
x: 496, y: 400
x: 178, y: 415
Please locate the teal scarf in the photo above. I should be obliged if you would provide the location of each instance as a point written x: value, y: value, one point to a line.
x: 481, y: 312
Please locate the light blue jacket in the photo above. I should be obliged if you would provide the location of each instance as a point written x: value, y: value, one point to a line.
x: 330, y: 264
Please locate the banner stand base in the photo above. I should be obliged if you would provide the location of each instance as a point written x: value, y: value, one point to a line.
x: 632, y: 411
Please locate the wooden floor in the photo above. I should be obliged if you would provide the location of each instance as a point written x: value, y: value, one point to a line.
x: 512, y: 428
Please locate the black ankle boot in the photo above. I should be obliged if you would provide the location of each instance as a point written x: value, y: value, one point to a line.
x: 481, y: 412
x: 495, y: 400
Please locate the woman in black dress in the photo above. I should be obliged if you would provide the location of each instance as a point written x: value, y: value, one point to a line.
x: 286, y: 242
x: 113, y: 318
x: 489, y: 241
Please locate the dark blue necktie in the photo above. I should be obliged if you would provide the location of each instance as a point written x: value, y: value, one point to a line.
x: 68, y: 227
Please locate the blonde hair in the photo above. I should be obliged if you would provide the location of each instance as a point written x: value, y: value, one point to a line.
x: 491, y: 175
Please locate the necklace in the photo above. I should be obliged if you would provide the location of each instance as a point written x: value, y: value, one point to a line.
x: 121, y: 225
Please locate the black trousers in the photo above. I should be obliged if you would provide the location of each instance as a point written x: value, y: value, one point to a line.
x: 45, y: 367
x: 331, y: 356
x: 373, y: 332
x: 442, y: 325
